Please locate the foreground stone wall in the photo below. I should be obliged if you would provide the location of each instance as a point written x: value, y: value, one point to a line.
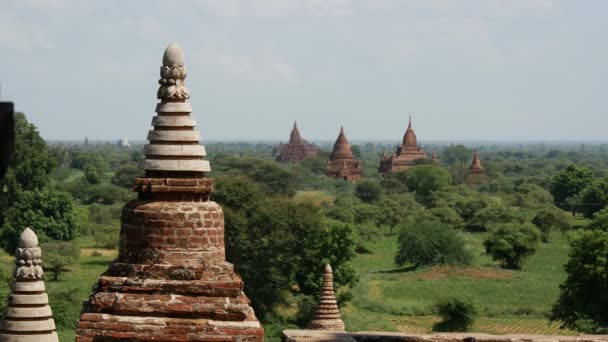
x: 366, y: 336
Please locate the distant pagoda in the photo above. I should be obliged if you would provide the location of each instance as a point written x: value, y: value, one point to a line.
x: 477, y: 174
x: 296, y: 150
x: 28, y: 316
x: 171, y: 281
x: 405, y: 155
x: 327, y: 313
x: 341, y: 162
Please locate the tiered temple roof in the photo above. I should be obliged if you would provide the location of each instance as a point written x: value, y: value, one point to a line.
x: 28, y: 316
x: 297, y: 148
x: 171, y: 281
x: 477, y: 174
x: 327, y: 314
x: 405, y: 155
x: 341, y: 162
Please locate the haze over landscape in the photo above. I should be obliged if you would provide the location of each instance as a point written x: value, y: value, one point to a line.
x: 489, y: 70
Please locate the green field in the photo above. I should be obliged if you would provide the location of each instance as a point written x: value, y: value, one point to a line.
x: 393, y: 299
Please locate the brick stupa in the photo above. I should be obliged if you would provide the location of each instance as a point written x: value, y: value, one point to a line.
x: 28, y: 316
x: 171, y: 281
x: 296, y: 150
x: 341, y: 162
x: 477, y: 174
x: 327, y: 313
x: 406, y: 154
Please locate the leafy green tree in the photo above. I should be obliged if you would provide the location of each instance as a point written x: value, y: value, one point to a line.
x: 456, y: 154
x: 356, y: 150
x: 92, y: 174
x: 549, y: 219
x: 493, y: 215
x: 394, y: 183
x: 428, y: 243
x: 583, y: 304
x: 530, y: 196
x: 600, y: 220
x: 594, y: 197
x: 48, y: 212
x: 447, y: 216
x: 316, y: 165
x: 424, y: 179
x: 465, y: 201
x: 568, y: 183
x: 368, y: 191
x: 393, y: 210
x: 512, y: 243
x: 125, y: 176
x: 58, y: 255
x: 30, y: 165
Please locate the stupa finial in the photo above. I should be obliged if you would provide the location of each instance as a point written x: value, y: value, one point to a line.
x: 327, y: 314
x: 172, y: 76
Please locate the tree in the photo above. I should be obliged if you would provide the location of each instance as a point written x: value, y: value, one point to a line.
x: 356, y: 150
x: 368, y: 191
x: 594, y: 197
x: 600, y: 220
x: 511, y: 243
x: 125, y: 176
x: 493, y: 215
x: 30, y: 165
x: 457, y: 154
x: 582, y: 303
x: 48, y: 211
x: 57, y: 255
x: 316, y: 164
x: 547, y: 220
x: 447, y: 216
x: 428, y: 243
x: 424, y: 179
x: 568, y: 183
x: 392, y: 210
x: 92, y: 174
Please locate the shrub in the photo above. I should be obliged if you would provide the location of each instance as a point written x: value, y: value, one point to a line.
x: 511, y: 243
x: 456, y: 314
x: 431, y: 242
x: 447, y: 215
x: 547, y: 220
x: 58, y: 255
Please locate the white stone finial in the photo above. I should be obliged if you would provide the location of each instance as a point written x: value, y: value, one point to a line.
x: 328, y: 269
x: 172, y: 76
x: 173, y: 55
x: 28, y: 239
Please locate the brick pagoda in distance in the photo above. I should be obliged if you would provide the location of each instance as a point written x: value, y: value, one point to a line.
x: 405, y: 156
x: 477, y: 174
x: 341, y: 162
x: 296, y: 150
x: 171, y: 281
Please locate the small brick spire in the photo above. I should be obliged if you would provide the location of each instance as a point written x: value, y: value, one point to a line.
x: 476, y: 164
x: 28, y: 316
x: 327, y: 314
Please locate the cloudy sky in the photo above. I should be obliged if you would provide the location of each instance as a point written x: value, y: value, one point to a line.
x: 486, y: 69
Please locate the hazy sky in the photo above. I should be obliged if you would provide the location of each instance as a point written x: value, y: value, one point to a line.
x: 487, y: 69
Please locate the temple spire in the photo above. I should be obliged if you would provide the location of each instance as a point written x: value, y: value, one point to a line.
x: 327, y: 313
x: 28, y: 316
x: 476, y: 164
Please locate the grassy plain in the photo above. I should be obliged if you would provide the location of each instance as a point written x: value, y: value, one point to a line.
x: 401, y: 299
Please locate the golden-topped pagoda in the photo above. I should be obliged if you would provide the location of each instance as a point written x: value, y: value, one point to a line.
x: 341, y: 162
x: 297, y: 148
x: 477, y: 174
x: 406, y: 154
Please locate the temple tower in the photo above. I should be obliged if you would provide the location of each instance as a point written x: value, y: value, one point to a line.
x: 297, y: 148
x: 477, y: 174
x: 406, y: 154
x: 327, y: 314
x: 28, y: 316
x: 341, y: 162
x: 171, y: 281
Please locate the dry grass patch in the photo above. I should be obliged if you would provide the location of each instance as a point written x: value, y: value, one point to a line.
x: 88, y: 251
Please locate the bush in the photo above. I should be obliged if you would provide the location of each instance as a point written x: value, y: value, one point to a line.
x: 511, y: 243
x: 447, y: 216
x: 547, y: 220
x: 456, y: 314
x: 429, y: 243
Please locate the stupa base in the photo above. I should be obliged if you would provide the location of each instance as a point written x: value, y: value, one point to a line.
x: 96, y: 327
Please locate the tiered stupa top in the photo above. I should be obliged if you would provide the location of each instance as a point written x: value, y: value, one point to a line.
x: 476, y: 164
x: 341, y: 147
x: 174, y: 149
x: 409, y: 138
x: 327, y: 314
x: 28, y: 316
